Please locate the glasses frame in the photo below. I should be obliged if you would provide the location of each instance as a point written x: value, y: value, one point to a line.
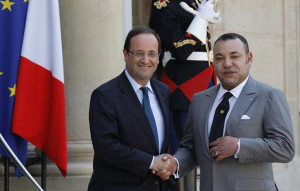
x: 144, y: 55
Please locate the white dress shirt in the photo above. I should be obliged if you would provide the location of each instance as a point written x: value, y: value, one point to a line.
x: 157, y: 113
x: 232, y: 100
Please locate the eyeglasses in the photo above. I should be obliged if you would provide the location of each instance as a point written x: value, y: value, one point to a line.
x: 151, y: 55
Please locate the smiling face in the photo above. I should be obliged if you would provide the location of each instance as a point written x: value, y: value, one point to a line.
x: 231, y: 62
x: 141, y: 69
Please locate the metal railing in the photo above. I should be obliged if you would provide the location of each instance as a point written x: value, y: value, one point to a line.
x: 17, y: 162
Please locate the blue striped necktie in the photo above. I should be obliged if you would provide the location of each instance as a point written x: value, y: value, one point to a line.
x: 149, y: 113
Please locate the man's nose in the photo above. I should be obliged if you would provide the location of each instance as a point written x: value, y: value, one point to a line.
x: 227, y: 62
x: 146, y: 58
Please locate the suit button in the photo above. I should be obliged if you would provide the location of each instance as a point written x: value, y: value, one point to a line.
x: 156, y: 182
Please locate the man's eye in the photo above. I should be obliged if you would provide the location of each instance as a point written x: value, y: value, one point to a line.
x: 139, y: 54
x: 152, y: 55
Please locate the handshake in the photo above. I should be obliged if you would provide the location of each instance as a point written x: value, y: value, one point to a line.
x: 164, y: 166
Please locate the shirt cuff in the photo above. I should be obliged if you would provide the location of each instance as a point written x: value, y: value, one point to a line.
x: 150, y: 167
x: 237, y: 154
x: 176, y: 174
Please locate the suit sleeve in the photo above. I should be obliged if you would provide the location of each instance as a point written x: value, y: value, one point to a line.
x: 106, y: 141
x: 277, y: 145
x: 185, y: 153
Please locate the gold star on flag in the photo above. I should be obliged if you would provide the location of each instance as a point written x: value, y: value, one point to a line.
x: 13, y: 91
x: 25, y: 1
x: 1, y: 73
x: 7, y: 4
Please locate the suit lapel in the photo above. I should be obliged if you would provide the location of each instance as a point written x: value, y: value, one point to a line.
x: 243, y: 102
x: 205, y: 106
x: 131, y: 99
x: 163, y: 103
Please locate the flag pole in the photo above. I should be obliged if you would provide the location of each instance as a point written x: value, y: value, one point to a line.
x: 17, y: 162
x: 6, y: 174
x: 44, y: 168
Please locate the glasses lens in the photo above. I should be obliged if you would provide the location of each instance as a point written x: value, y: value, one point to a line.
x: 152, y: 55
x: 139, y: 54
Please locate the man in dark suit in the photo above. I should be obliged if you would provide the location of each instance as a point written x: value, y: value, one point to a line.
x: 235, y: 130
x: 129, y: 121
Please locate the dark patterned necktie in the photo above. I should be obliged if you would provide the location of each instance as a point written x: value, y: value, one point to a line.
x: 217, y: 126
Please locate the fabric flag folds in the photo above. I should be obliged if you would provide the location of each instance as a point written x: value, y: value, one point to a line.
x: 39, y: 110
x: 12, y: 23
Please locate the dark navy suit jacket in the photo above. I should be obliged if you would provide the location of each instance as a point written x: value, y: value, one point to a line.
x: 122, y: 138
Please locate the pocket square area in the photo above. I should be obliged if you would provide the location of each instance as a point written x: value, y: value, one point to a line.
x: 245, y: 117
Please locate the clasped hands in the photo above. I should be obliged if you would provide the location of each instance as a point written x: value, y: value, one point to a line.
x: 164, y: 166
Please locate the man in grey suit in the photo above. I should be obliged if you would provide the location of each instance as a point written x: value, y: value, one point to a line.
x: 256, y: 131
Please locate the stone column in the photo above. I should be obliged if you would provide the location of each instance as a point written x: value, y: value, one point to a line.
x: 92, y: 39
x: 92, y: 34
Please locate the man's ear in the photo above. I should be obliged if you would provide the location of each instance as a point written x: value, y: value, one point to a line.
x: 125, y: 55
x: 250, y: 58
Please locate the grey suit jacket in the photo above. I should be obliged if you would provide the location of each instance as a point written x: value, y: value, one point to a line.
x: 264, y: 138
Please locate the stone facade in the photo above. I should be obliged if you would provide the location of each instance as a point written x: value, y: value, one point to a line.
x: 93, y: 36
x: 272, y: 31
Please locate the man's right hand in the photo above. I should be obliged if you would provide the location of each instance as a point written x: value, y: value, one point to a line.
x: 159, y: 164
x: 165, y: 173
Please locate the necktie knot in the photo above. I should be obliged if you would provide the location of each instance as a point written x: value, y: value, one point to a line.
x: 227, y: 96
x: 145, y: 90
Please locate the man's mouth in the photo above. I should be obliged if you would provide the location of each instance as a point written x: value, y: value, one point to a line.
x: 144, y: 66
x: 229, y: 72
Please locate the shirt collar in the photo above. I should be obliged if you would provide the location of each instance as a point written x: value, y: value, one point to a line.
x: 136, y: 86
x: 235, y: 91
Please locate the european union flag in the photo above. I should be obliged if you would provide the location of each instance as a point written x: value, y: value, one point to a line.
x: 12, y: 23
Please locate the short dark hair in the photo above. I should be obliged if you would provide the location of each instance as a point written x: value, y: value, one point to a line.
x: 232, y: 36
x: 140, y: 30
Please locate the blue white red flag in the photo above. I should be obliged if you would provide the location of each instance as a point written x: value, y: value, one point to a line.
x: 39, y: 111
x: 37, y: 86
x: 12, y: 23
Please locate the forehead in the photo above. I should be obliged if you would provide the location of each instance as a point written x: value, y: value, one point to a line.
x: 229, y: 46
x: 144, y: 41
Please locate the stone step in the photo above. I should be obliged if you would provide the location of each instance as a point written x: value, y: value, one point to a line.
x: 53, y: 183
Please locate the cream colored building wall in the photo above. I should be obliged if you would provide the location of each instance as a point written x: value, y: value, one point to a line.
x: 92, y: 35
x: 272, y: 30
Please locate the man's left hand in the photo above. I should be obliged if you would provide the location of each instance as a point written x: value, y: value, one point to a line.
x: 223, y: 147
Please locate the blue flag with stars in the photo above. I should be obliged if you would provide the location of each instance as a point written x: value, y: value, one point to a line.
x: 12, y: 23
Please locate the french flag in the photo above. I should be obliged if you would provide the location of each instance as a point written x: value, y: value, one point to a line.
x: 39, y: 110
